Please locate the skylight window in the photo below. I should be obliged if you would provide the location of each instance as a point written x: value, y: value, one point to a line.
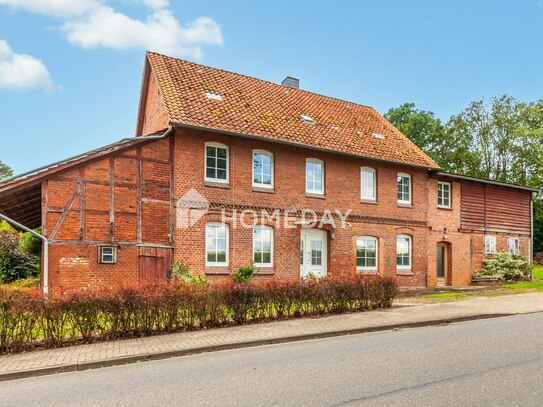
x: 213, y: 95
x: 307, y: 119
x: 379, y: 136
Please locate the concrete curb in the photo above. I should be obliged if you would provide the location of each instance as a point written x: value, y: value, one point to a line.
x: 145, y: 357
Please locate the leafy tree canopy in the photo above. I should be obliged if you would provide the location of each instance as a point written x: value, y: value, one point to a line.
x: 501, y: 139
x: 5, y: 171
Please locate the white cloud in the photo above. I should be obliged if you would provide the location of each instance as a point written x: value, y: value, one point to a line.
x: 20, y: 71
x: 156, y: 4
x: 159, y: 32
x: 56, y: 8
x: 92, y: 23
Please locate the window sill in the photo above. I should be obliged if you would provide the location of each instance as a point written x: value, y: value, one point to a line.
x: 217, y: 184
x: 312, y: 195
x: 405, y: 205
x: 445, y: 208
x: 265, y: 271
x: 220, y: 270
x: 369, y: 201
x: 369, y: 272
x: 404, y: 272
x: 264, y: 190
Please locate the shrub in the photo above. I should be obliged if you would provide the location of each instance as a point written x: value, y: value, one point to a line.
x: 30, y: 318
x: 244, y: 274
x: 30, y: 283
x: 15, y: 263
x: 181, y: 272
x: 503, y: 266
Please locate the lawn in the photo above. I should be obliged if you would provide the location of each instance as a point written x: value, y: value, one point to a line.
x: 538, y: 272
x: 537, y: 284
x: 505, y: 289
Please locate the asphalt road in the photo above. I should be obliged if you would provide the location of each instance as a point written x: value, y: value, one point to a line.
x: 496, y: 362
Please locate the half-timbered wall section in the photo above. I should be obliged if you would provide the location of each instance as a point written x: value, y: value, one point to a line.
x: 122, y: 201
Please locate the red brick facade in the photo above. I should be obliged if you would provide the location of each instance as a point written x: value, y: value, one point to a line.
x: 124, y: 201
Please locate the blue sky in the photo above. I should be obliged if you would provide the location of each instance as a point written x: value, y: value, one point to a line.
x: 70, y: 70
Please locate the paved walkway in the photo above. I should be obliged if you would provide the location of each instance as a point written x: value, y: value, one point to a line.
x: 403, y: 314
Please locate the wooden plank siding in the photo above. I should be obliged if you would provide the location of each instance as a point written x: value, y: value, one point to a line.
x: 492, y: 208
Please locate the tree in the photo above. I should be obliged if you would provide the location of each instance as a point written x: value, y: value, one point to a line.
x: 505, y: 138
x: 422, y: 127
x: 5, y: 171
x: 432, y: 136
x: 500, y: 140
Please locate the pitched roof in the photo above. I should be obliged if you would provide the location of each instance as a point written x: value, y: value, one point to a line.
x: 36, y: 175
x: 204, y: 97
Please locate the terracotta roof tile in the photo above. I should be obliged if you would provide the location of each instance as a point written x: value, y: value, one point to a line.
x: 241, y: 104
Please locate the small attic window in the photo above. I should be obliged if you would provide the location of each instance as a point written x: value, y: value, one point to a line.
x: 213, y: 95
x: 379, y: 136
x: 335, y: 126
x: 308, y: 119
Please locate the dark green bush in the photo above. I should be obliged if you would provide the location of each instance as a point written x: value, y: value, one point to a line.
x: 15, y: 263
x: 244, y: 274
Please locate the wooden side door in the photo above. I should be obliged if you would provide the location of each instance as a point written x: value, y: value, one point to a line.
x: 154, y: 263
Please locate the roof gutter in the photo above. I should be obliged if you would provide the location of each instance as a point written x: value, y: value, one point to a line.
x: 488, y: 181
x: 294, y: 144
x: 75, y: 157
x: 45, y: 249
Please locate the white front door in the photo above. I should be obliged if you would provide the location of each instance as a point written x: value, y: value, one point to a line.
x: 313, y: 253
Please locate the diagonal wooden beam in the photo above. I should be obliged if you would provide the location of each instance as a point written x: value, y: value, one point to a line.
x: 65, y: 213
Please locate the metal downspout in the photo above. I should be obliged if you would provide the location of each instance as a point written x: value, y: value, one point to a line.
x: 531, y: 243
x: 45, y: 249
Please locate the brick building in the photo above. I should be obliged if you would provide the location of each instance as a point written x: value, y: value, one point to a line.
x: 228, y: 171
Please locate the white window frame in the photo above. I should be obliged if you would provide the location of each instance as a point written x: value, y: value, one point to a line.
x: 490, y: 244
x: 227, y: 233
x: 264, y: 227
x: 314, y: 191
x: 113, y: 254
x: 217, y: 145
x: 374, y: 173
x: 404, y: 175
x: 410, y: 240
x: 442, y: 197
x: 272, y: 170
x: 368, y: 268
x: 513, y: 245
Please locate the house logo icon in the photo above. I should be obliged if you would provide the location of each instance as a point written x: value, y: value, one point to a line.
x: 190, y: 208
